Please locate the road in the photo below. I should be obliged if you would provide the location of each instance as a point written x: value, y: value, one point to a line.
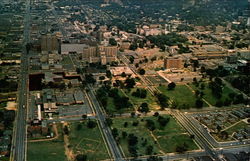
x: 19, y: 137
x: 100, y: 115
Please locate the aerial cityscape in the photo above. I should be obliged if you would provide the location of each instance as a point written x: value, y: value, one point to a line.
x: 125, y: 80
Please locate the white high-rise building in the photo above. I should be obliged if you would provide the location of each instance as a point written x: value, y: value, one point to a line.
x: 248, y: 21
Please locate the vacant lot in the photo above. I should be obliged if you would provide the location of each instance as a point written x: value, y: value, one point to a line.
x: 208, y: 96
x: 47, y: 150
x: 181, y: 94
x: 163, y: 140
x: 87, y: 141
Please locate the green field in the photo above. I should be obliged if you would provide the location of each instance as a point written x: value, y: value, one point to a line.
x: 137, y: 101
x: 172, y: 135
x: 47, y: 150
x: 209, y: 97
x: 87, y: 141
x: 235, y: 128
x: 181, y: 95
x: 166, y: 138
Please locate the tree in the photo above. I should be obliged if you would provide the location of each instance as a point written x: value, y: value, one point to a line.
x: 129, y: 83
x: 150, y: 125
x: 66, y: 130
x: 132, y: 139
x: 124, y: 134
x: 123, y: 74
x: 149, y: 150
x: 91, y: 124
x: 125, y: 124
x: 84, y: 116
x: 162, y: 100
x: 142, y: 71
x: 108, y: 74
x: 133, y: 46
x: 81, y: 157
x: 131, y: 59
x: 132, y: 114
x: 154, y: 158
x: 199, y: 103
x: 115, y: 132
x: 112, y: 42
x: 181, y: 148
x: 144, y: 107
x: 109, y: 121
x: 101, y: 78
x: 163, y: 121
x: 171, y: 86
x: 156, y: 114
x: 79, y: 127
x: 90, y: 79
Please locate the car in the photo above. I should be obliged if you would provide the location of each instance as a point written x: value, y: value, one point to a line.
x: 23, y: 106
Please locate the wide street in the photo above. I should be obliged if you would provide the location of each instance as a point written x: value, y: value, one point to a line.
x: 19, y: 138
x: 113, y: 147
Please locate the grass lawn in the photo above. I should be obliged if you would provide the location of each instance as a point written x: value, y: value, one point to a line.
x: 167, y: 138
x: 209, y: 96
x: 137, y: 101
x: 173, y: 135
x: 111, y: 109
x: 181, y: 95
x: 140, y: 131
x: 239, y: 126
x: 87, y: 141
x: 47, y: 150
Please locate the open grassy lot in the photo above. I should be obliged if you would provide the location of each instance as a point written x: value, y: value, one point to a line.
x: 47, y: 150
x: 164, y: 140
x: 209, y: 96
x: 150, y: 100
x: 140, y: 131
x: 172, y: 135
x: 238, y: 126
x: 181, y: 95
x: 87, y: 141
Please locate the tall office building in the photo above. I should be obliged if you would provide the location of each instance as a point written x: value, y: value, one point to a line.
x: 49, y: 43
x: 103, y: 54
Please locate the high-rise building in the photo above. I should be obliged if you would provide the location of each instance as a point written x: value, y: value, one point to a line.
x: 103, y: 54
x: 49, y: 43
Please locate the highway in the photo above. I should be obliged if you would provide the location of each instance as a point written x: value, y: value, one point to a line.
x: 18, y: 152
x: 100, y: 115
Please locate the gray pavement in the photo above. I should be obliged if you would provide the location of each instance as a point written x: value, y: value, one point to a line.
x: 19, y: 137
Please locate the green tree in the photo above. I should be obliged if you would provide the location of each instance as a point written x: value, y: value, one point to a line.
x: 142, y: 71
x: 91, y: 124
x: 171, y: 86
x: 149, y: 150
x: 81, y: 157
x: 112, y: 42
x: 144, y: 107
x: 199, y: 103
